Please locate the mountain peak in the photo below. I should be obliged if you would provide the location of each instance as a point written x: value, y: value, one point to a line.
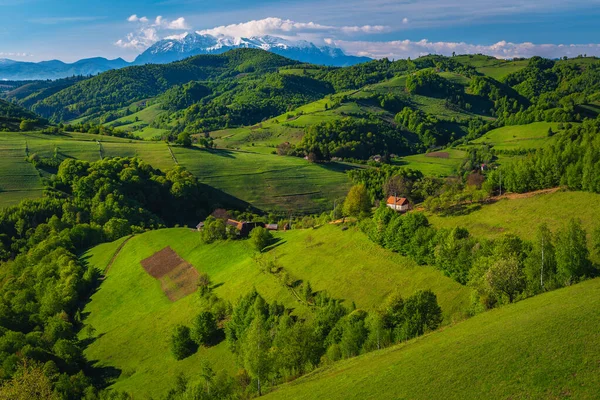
x: 178, y: 47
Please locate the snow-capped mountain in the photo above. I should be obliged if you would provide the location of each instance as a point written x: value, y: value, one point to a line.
x: 178, y: 47
x: 55, y: 69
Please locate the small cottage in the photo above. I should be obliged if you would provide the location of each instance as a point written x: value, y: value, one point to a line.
x: 400, y: 204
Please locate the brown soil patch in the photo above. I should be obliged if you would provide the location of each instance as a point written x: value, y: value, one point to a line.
x: 177, y: 277
x: 438, y: 154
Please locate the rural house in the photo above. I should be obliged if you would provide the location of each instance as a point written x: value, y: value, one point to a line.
x: 398, y: 203
x: 244, y: 228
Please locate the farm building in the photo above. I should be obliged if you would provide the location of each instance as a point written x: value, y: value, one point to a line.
x: 244, y: 228
x: 398, y: 203
x: 272, y: 227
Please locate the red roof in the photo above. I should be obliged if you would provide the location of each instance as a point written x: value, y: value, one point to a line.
x: 397, y: 201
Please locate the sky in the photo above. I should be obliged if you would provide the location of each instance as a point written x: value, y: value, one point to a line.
x: 69, y: 30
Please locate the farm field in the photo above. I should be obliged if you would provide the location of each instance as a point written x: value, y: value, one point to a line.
x: 133, y: 317
x: 266, y: 181
x: 441, y: 163
x: 269, y: 182
x: 543, y: 347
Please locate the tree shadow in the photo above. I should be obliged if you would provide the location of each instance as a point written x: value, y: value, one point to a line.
x: 102, y: 376
x: 217, y: 152
x: 461, y: 210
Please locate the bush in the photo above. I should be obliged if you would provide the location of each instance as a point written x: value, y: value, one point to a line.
x: 260, y: 238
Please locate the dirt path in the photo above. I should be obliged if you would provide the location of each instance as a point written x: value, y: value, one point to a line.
x: 515, y: 196
x: 114, y: 257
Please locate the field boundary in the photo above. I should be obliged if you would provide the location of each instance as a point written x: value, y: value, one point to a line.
x: 117, y: 251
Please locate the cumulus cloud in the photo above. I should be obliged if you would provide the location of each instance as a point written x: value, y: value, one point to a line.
x: 148, y: 32
x: 288, y: 28
x: 503, y: 49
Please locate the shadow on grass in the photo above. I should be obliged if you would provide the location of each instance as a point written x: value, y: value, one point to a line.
x: 216, y: 152
x: 461, y: 210
x: 102, y: 376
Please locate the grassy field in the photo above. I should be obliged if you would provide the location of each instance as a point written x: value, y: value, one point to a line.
x: 267, y: 181
x: 284, y: 184
x: 133, y: 318
x: 544, y: 347
x: 523, y: 216
x: 349, y: 266
x: 434, y: 164
x: 530, y: 136
x: 492, y: 67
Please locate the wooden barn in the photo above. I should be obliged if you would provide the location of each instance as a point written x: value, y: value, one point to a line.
x: 400, y: 204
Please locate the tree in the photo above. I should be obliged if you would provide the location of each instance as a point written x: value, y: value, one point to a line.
x: 357, y: 202
x: 572, y: 254
x: 117, y: 228
x: 204, y: 283
x: 29, y: 382
x: 214, y: 229
x: 260, y: 238
x: 27, y: 125
x: 540, y: 266
x: 257, y: 360
x: 184, y: 139
x: 422, y: 313
x: 505, y: 277
x: 204, y: 328
x: 182, y: 345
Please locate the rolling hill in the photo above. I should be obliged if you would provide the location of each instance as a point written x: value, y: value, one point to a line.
x: 135, y: 347
x: 543, y: 347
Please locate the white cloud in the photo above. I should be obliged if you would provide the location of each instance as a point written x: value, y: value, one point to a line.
x: 288, y: 28
x: 503, y: 49
x: 149, y: 33
x: 405, y: 20
x: 178, y: 24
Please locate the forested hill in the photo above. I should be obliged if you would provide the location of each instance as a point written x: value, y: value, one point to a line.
x: 380, y: 107
x: 114, y: 89
x: 11, y: 115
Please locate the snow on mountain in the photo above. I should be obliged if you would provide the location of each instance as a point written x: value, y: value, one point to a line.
x: 178, y: 47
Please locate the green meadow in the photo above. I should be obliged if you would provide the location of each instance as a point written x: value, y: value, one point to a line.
x: 133, y: 318
x: 434, y: 164
x: 515, y: 137
x: 266, y: 181
x: 522, y: 216
x: 545, y: 347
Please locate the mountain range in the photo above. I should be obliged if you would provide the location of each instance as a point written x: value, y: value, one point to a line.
x: 176, y: 48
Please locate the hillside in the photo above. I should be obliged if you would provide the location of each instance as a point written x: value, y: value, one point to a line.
x: 12, y: 114
x: 265, y: 181
x: 543, y: 347
x: 522, y: 215
x: 136, y: 347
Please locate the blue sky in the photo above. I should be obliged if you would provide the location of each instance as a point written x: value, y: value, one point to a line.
x: 69, y: 30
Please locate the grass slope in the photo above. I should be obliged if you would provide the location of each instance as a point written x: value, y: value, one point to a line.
x: 522, y: 216
x: 134, y: 319
x: 530, y: 136
x: 433, y: 164
x: 351, y: 267
x: 267, y: 181
x: 543, y: 347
